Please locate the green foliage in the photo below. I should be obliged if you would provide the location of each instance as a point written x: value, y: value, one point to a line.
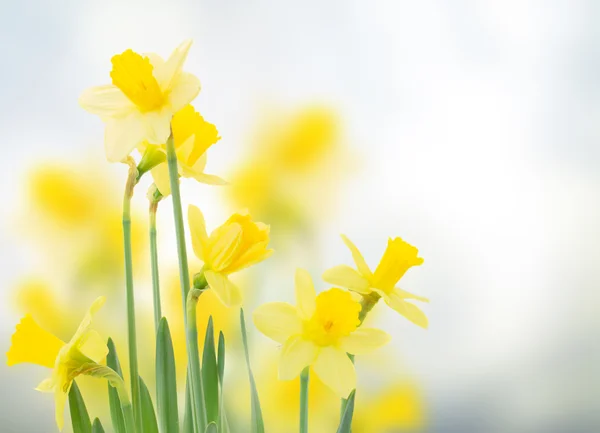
x: 79, y: 414
x: 148, y: 414
x: 210, y: 375
x: 97, y: 426
x: 166, y: 380
x: 257, y: 423
x: 116, y: 413
x: 346, y: 421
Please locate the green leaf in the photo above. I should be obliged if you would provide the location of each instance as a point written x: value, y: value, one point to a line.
x: 97, y: 426
x: 223, y: 424
x: 166, y: 380
x: 116, y: 413
x: 79, y: 414
x: 211, y: 428
x: 148, y: 414
x: 257, y: 424
x: 346, y: 421
x: 188, y: 416
x: 210, y: 375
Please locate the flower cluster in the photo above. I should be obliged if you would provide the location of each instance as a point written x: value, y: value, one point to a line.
x: 147, y: 109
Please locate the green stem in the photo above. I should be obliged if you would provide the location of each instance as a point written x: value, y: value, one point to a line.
x: 131, y: 333
x: 184, y: 276
x: 197, y: 390
x: 125, y: 405
x: 304, y: 379
x: 154, y: 263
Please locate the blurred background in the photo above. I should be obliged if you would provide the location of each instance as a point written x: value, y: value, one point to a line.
x: 468, y: 128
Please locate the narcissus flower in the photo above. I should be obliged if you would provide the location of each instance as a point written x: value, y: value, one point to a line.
x: 398, y: 258
x: 237, y: 244
x: 145, y: 93
x: 192, y: 136
x: 32, y: 344
x: 318, y: 332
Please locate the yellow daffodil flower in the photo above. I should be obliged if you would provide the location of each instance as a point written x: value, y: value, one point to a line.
x: 145, y: 93
x: 399, y: 256
x: 192, y: 136
x: 237, y: 244
x: 34, y: 345
x: 318, y: 332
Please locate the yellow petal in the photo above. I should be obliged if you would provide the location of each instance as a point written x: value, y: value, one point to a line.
x: 198, y: 231
x: 106, y: 101
x: 200, y: 163
x: 93, y: 346
x: 210, y: 179
x: 278, y: 321
x: 296, y: 354
x: 223, y: 243
x: 407, y: 295
x: 306, y: 295
x: 255, y: 254
x: 87, y: 320
x: 364, y: 340
x: 408, y: 310
x: 60, y: 400
x: 122, y: 135
x: 160, y: 175
x: 46, y: 385
x: 172, y: 68
x: 33, y: 345
x: 361, y: 264
x: 345, y: 276
x: 335, y: 370
x: 157, y: 126
x: 184, y: 90
x: 228, y: 293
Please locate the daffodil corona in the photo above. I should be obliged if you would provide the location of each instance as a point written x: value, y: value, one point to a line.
x: 236, y: 245
x: 398, y: 258
x: 32, y: 344
x: 319, y: 331
x: 145, y: 93
x: 192, y: 136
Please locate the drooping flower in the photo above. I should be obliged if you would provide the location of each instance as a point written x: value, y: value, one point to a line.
x: 237, y: 244
x: 192, y: 136
x: 145, y: 93
x: 319, y: 332
x: 34, y: 345
x: 398, y: 258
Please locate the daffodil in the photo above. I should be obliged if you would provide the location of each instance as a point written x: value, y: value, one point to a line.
x: 237, y: 244
x: 145, y: 93
x: 34, y: 345
x: 319, y: 332
x: 192, y: 136
x: 398, y: 258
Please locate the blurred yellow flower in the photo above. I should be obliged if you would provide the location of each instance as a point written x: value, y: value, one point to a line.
x: 318, y: 332
x: 398, y: 258
x: 145, y: 93
x: 192, y: 136
x: 32, y: 344
x: 237, y: 244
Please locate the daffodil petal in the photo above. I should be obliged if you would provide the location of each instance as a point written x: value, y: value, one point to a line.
x: 184, y: 90
x: 210, y: 179
x: 407, y: 295
x: 122, y: 135
x: 106, y: 101
x: 158, y: 126
x: 198, y: 231
x: 60, y: 400
x: 93, y: 346
x: 278, y: 321
x: 222, y: 245
x: 160, y: 175
x: 34, y: 345
x: 305, y: 294
x: 46, y: 385
x: 399, y: 256
x: 408, y: 310
x: 335, y: 370
x: 87, y: 319
x: 345, y: 276
x: 358, y: 258
x: 172, y: 68
x: 228, y: 293
x: 364, y: 340
x: 296, y: 354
